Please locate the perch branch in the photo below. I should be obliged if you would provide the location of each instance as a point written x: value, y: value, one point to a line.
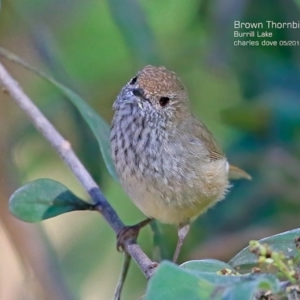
x: 63, y: 148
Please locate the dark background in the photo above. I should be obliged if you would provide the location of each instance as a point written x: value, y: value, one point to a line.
x: 247, y: 96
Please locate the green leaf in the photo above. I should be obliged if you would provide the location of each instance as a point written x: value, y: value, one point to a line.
x: 248, y: 289
x: 222, y: 280
x: 172, y: 282
x: 131, y: 20
x: 43, y: 199
x: 283, y: 242
x: 206, y: 265
x: 97, y: 125
x: 159, y: 242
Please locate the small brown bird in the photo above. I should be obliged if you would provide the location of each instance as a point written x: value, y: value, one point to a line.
x: 168, y: 161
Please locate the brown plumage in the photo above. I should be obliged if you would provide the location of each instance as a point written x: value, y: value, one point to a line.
x: 167, y: 160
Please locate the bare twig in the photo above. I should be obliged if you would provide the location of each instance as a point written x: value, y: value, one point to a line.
x: 63, y: 148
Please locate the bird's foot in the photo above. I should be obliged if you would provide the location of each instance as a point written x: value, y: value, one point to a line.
x: 130, y: 233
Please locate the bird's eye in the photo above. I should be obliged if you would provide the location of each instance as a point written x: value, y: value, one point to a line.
x: 163, y: 101
x: 133, y: 80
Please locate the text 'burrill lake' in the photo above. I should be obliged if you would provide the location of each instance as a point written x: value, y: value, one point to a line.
x: 261, y: 33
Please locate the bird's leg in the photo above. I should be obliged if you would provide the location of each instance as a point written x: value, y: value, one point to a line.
x: 183, y: 230
x: 130, y: 233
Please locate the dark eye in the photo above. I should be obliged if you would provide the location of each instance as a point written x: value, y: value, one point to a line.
x: 133, y: 80
x: 163, y: 101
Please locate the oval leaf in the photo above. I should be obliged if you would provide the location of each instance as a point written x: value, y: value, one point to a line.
x: 206, y: 265
x: 43, y: 199
x: 97, y: 125
x: 172, y: 282
x: 283, y: 242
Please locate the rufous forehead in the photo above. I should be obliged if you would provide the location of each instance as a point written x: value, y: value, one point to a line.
x: 156, y: 80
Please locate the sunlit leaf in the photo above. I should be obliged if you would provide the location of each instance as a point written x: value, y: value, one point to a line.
x: 43, y: 199
x: 98, y: 126
x: 283, y: 242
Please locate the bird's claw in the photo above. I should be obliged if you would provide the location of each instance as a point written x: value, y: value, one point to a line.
x: 129, y: 234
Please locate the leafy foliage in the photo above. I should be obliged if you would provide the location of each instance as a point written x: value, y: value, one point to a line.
x: 268, y: 142
x: 130, y: 18
x: 272, y: 259
x: 205, y: 265
x: 198, y: 279
x: 283, y: 242
x: 97, y: 125
x: 173, y: 282
x: 43, y: 199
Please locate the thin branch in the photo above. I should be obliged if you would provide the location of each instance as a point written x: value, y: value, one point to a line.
x: 125, y: 268
x: 63, y: 148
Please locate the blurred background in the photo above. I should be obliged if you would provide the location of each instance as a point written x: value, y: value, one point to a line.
x: 247, y: 96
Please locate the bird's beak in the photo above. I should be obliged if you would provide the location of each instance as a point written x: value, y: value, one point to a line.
x: 139, y: 93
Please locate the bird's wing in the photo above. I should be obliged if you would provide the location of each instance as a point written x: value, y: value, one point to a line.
x: 206, y: 137
x: 214, y: 152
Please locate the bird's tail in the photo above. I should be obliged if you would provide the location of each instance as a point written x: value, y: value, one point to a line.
x: 237, y: 173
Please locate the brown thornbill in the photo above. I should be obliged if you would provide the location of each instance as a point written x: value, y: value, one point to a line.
x: 168, y: 161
